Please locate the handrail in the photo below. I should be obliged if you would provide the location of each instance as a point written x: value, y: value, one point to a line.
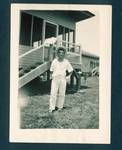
x: 30, y: 51
x: 69, y: 43
x: 42, y: 46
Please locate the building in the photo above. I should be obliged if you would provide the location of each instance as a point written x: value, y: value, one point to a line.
x: 37, y: 31
x: 89, y: 61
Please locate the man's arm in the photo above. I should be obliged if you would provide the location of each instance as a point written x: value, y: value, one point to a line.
x: 68, y: 73
x: 52, y: 68
x: 69, y: 69
x: 51, y: 72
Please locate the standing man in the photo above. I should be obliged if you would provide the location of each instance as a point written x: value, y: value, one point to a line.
x: 59, y: 69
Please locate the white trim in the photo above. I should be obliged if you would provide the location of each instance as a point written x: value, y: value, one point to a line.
x: 31, y: 37
x: 30, y: 51
x: 33, y: 74
x: 46, y: 21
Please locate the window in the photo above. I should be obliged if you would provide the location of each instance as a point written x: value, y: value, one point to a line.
x: 37, y: 31
x: 71, y: 36
x: 97, y: 64
x: 61, y: 33
x: 50, y: 30
x: 30, y: 30
x: 66, y: 37
x: 25, y: 29
x: 91, y: 64
x: 31, y: 33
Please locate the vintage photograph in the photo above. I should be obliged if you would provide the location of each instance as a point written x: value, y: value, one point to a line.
x: 58, y: 57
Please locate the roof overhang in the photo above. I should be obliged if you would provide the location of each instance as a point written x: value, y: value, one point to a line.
x: 74, y: 14
x: 90, y: 55
x: 80, y: 15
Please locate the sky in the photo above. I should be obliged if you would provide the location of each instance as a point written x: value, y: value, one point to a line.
x: 87, y: 34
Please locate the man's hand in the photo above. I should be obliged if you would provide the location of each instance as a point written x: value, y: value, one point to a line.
x: 51, y: 72
x: 68, y: 73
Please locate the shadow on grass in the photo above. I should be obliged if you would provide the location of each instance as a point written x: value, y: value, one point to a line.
x: 74, y: 89
x: 37, y: 87
x: 81, y: 109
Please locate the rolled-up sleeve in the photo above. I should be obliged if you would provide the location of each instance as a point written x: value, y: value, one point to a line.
x: 52, y: 66
x: 69, y: 67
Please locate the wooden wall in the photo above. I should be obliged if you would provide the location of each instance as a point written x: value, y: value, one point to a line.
x: 55, y: 17
x: 86, y: 63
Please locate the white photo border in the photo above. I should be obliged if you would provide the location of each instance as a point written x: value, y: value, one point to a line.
x: 83, y: 136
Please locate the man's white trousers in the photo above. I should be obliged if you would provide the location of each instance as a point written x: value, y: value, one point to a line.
x: 58, y: 88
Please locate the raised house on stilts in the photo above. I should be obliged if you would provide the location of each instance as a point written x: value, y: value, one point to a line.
x: 40, y: 33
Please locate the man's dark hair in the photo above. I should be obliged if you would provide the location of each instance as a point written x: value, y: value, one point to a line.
x: 61, y: 48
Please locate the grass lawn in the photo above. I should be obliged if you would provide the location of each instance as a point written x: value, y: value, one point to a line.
x: 81, y: 109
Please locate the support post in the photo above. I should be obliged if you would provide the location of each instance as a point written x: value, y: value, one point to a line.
x: 31, y: 36
x: 78, y: 82
x: 77, y: 75
x: 48, y: 75
x: 72, y: 80
x: 51, y: 52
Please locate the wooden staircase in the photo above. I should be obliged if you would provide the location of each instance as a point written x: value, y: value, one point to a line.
x: 33, y: 73
x: 37, y: 61
x: 33, y: 63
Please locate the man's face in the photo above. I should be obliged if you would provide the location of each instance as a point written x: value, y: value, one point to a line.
x: 61, y: 54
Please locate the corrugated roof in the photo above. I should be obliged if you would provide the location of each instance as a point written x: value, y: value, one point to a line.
x: 80, y: 15
x: 87, y: 54
x: 75, y: 15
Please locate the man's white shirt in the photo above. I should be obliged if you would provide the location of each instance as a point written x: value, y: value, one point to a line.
x: 59, y: 68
